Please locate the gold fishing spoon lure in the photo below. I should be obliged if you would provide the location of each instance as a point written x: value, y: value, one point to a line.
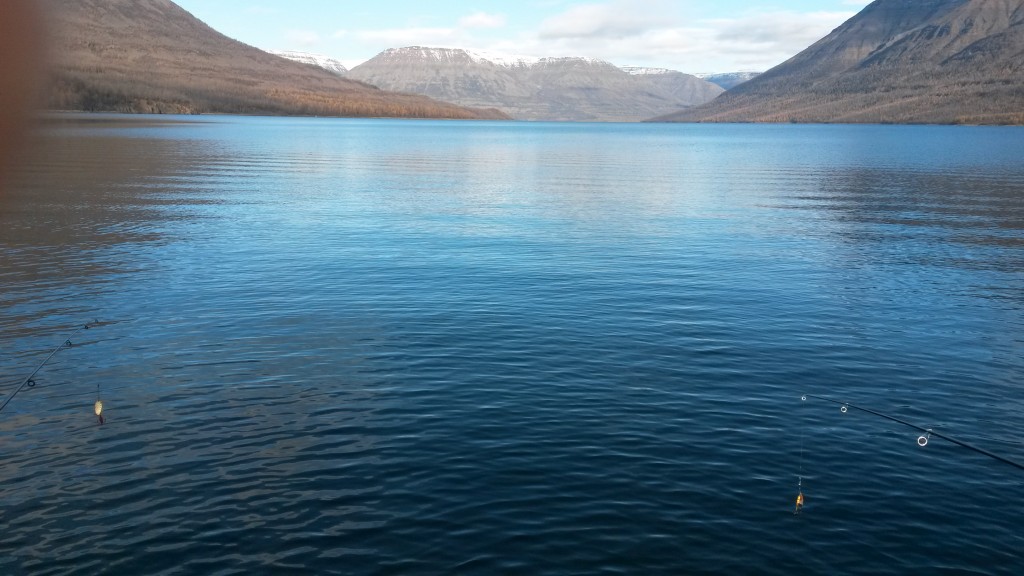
x: 98, y: 406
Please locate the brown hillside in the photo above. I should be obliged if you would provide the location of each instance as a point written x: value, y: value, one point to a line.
x: 153, y: 56
x: 900, y: 61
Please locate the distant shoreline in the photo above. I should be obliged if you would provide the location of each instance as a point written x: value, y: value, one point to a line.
x: 42, y: 113
x: 46, y: 115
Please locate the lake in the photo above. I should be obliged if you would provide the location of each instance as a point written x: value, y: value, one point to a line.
x: 421, y: 347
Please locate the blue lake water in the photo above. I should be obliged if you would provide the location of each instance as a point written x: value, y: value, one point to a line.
x: 416, y: 347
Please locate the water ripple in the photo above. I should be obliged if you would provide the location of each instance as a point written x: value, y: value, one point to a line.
x: 383, y: 347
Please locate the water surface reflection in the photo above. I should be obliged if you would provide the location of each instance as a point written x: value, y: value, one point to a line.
x: 434, y: 347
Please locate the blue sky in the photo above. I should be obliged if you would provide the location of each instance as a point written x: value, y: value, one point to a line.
x: 686, y: 35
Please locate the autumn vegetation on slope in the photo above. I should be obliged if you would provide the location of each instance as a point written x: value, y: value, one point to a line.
x: 152, y: 56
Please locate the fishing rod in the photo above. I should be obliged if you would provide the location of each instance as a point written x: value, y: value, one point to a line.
x: 30, y: 382
x: 921, y: 440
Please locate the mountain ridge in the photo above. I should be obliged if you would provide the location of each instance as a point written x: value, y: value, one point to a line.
x: 553, y: 88
x: 153, y: 56
x: 897, y: 61
x: 728, y: 80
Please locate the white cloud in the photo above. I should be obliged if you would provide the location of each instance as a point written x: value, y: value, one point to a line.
x: 773, y: 37
x: 617, y: 19
x: 784, y: 29
x: 261, y: 10
x: 482, y: 20
x: 661, y: 33
x: 636, y: 32
x: 398, y: 37
x: 451, y: 37
x: 302, y: 37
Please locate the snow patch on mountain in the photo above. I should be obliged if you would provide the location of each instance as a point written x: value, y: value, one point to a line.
x: 504, y: 60
x: 484, y: 57
x: 748, y: 74
x: 574, y: 60
x: 643, y: 71
x: 325, y: 62
x: 455, y: 54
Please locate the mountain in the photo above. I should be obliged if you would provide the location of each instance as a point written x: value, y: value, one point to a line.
x: 572, y: 89
x: 318, y: 60
x: 900, y: 61
x: 728, y: 80
x: 153, y: 56
x: 451, y: 75
x: 685, y: 87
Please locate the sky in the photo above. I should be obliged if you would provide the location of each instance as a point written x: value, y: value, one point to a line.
x: 693, y: 36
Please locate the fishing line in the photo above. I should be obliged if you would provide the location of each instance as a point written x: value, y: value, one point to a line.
x: 29, y: 381
x: 927, y: 432
x: 1001, y: 440
x: 800, y: 477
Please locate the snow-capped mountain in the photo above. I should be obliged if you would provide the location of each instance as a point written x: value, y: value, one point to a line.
x: 576, y: 89
x: 325, y: 62
x: 453, y: 75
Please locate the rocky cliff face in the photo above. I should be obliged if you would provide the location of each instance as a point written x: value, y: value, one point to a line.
x: 923, y: 61
x: 573, y: 89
